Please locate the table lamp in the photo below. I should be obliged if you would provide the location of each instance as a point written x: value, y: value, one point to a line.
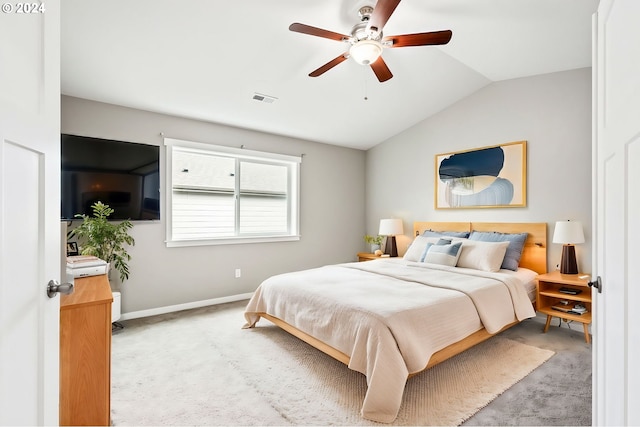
x: 390, y: 228
x: 568, y: 233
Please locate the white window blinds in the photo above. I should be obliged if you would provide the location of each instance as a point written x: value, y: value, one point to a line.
x: 227, y: 195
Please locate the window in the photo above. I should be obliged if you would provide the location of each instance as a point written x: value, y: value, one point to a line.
x: 221, y: 195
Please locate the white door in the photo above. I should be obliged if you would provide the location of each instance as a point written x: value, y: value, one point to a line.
x: 29, y: 212
x: 616, y: 378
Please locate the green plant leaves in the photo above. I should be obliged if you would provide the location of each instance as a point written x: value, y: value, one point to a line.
x: 105, y: 239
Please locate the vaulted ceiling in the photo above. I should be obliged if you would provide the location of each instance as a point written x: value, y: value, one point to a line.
x: 206, y: 59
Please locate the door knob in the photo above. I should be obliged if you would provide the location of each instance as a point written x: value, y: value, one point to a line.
x: 53, y: 287
x: 596, y: 284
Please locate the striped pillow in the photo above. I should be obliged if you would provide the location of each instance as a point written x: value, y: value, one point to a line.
x: 442, y: 254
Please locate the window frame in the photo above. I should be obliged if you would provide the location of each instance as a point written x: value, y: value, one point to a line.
x: 293, y: 192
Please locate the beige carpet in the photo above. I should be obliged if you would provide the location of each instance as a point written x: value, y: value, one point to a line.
x: 199, y: 368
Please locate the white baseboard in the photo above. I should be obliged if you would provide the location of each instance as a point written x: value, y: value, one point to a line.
x: 185, y: 306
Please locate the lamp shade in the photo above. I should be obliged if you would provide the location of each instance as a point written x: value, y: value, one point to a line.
x: 390, y: 227
x: 568, y: 232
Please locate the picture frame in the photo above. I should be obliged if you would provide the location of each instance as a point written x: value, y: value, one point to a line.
x: 72, y: 248
x: 487, y: 177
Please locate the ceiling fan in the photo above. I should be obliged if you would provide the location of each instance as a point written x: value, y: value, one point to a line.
x: 366, y: 40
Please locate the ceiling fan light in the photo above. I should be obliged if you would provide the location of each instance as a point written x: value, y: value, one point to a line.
x: 366, y: 52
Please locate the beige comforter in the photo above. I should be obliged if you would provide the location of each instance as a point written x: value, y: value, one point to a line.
x: 390, y: 316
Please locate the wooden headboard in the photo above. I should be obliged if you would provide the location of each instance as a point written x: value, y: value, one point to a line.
x: 534, y: 254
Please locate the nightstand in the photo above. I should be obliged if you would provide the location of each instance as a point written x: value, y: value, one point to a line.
x: 557, y: 295
x: 366, y: 256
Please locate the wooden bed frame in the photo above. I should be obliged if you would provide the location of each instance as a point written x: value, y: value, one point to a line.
x: 534, y: 257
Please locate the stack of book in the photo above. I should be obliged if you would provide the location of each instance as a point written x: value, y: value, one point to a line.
x: 85, y: 265
x: 566, y: 308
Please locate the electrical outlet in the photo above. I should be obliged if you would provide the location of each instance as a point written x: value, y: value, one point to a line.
x: 238, y: 273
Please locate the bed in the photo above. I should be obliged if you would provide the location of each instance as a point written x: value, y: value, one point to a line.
x: 392, y: 318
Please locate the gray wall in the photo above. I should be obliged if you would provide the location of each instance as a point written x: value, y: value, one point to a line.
x: 552, y: 112
x: 332, y: 213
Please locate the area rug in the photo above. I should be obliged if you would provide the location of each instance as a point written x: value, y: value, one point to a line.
x: 200, y: 368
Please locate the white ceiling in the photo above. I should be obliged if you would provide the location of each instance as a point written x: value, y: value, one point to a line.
x: 205, y: 59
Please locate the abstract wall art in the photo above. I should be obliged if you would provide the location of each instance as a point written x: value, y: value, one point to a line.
x: 487, y: 177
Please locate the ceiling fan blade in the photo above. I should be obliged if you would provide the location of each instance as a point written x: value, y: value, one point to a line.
x: 420, y: 39
x: 383, y: 73
x: 313, y: 31
x: 381, y: 14
x: 329, y: 65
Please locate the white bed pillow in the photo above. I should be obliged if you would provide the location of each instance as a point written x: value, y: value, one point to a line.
x: 485, y: 256
x: 514, y: 250
x: 417, y: 248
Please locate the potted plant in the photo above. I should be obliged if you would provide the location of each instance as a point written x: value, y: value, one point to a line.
x: 105, y: 239
x: 374, y: 241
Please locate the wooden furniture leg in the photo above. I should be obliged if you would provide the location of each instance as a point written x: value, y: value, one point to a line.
x: 546, y: 326
x: 586, y: 333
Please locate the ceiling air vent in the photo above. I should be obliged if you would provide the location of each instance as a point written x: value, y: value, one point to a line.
x: 264, y: 98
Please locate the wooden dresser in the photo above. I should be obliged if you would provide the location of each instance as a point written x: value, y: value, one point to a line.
x: 85, y: 353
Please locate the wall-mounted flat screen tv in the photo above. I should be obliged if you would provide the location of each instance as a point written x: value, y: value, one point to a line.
x: 123, y: 175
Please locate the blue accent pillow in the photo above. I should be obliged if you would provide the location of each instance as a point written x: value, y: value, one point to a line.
x: 514, y: 250
x: 440, y: 242
x: 443, y: 254
x: 431, y: 233
x: 444, y: 241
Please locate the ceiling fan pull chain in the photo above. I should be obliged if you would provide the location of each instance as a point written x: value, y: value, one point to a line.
x: 364, y: 81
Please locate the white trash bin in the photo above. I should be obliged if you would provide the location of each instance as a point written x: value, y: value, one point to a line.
x: 115, y: 307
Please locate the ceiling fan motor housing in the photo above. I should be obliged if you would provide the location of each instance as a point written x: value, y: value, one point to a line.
x: 360, y: 31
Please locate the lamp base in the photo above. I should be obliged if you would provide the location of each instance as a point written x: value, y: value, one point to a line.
x: 568, y: 264
x: 390, y: 246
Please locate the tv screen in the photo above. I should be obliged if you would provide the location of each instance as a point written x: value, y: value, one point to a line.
x: 123, y: 175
